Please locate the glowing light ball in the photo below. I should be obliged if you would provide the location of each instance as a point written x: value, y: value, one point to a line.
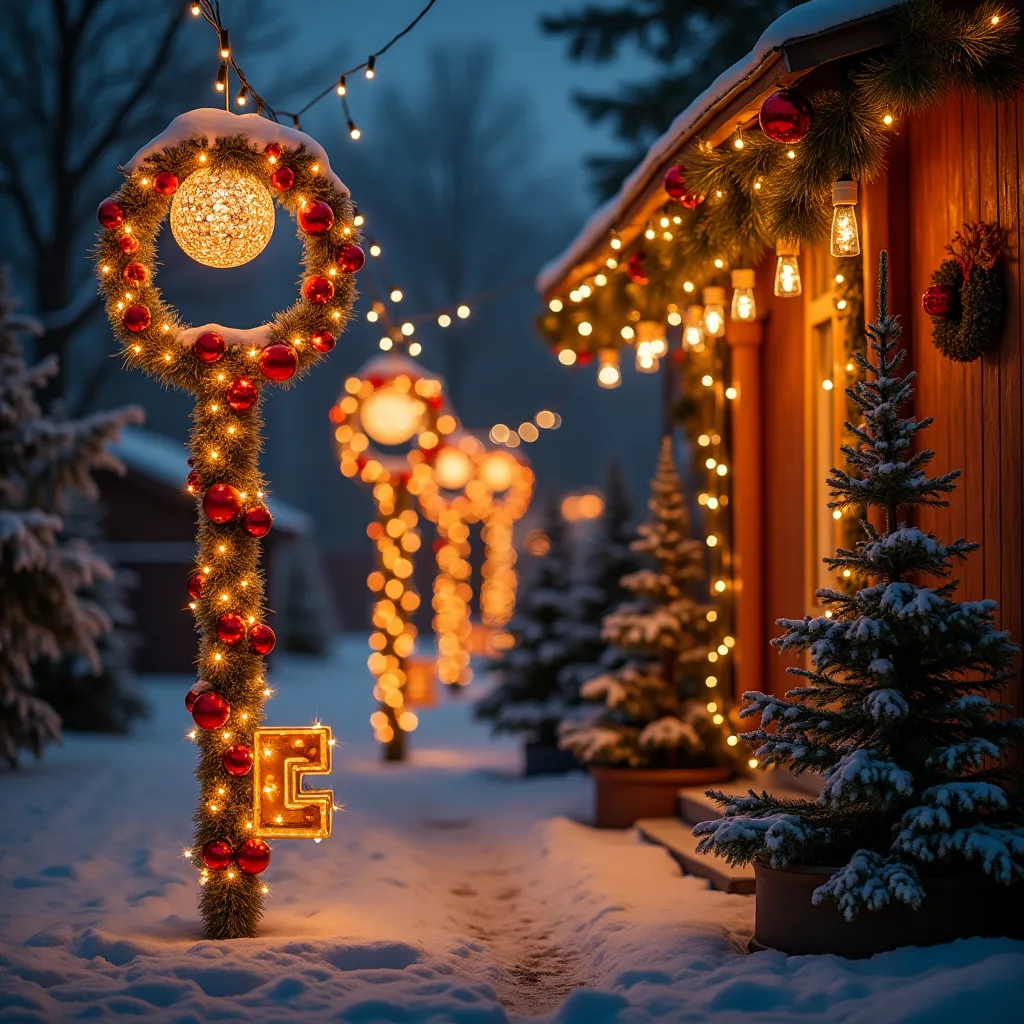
x: 452, y: 468
x: 498, y: 470
x: 390, y: 416
x: 222, y: 218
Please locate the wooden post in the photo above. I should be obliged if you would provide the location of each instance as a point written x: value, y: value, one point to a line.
x: 745, y: 338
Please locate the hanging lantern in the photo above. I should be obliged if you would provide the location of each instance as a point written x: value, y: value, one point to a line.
x: 714, y: 311
x: 845, y: 239
x: 222, y: 218
x: 651, y: 333
x: 608, y: 373
x: 636, y: 267
x: 787, y: 271
x: 743, y: 305
x: 693, y: 328
x: 646, y: 361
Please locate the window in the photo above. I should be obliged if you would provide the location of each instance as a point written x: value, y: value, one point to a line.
x: 824, y: 405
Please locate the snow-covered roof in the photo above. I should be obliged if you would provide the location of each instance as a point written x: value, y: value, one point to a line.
x: 213, y: 124
x: 387, y: 365
x: 165, y: 460
x: 808, y: 19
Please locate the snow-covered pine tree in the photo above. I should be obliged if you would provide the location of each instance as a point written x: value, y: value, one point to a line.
x: 652, y: 715
x: 895, y: 712
x: 528, y: 696
x: 42, y: 462
x: 597, y: 585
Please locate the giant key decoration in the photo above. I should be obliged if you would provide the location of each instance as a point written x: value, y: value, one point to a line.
x: 218, y: 175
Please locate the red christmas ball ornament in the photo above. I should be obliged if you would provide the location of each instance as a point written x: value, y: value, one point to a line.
x: 217, y: 855
x: 230, y: 628
x: 675, y: 181
x: 195, y: 585
x: 786, y: 116
x: 135, y: 273
x: 272, y: 150
x: 209, y: 347
x: 262, y: 638
x: 253, y: 857
x: 583, y: 358
x: 110, y: 215
x: 316, y: 218
x: 317, y: 289
x: 237, y: 759
x: 128, y: 243
x: 210, y: 711
x: 135, y: 319
x: 193, y: 695
x: 278, y: 362
x: 939, y: 300
x: 165, y: 183
x: 258, y: 521
x: 192, y: 482
x: 282, y: 179
x: 323, y: 341
x: 351, y: 257
x: 636, y: 267
x: 222, y: 503
x: 241, y: 394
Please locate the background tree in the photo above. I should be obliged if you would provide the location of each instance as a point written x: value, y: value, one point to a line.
x: 529, y: 696
x: 43, y: 613
x: 691, y: 41
x: 893, y: 711
x: 652, y: 715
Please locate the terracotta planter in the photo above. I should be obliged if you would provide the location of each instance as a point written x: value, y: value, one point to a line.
x: 956, y: 907
x: 623, y: 795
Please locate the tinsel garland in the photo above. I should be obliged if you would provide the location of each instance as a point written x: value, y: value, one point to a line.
x: 225, y: 445
x: 766, y: 191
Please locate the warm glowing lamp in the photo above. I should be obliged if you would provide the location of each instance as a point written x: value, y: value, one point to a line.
x: 714, y: 311
x: 498, y: 471
x: 845, y: 239
x: 391, y: 416
x: 452, y: 468
x: 787, y: 271
x: 222, y: 218
x: 743, y: 305
x: 608, y: 373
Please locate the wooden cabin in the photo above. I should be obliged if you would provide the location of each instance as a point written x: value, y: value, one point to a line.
x: 958, y: 162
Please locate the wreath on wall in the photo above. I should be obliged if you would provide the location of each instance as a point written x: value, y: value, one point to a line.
x: 967, y: 297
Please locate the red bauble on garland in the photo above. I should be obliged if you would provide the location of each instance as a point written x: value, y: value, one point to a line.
x: 323, y: 341
x: 254, y: 856
x: 136, y: 319
x: 237, y: 759
x: 217, y: 855
x: 210, y: 711
x: 636, y: 267
x: 128, y: 243
x: 192, y: 482
x: 110, y: 215
x: 195, y: 585
x: 272, y: 150
x: 209, y: 347
x: 262, y: 638
x: 230, y: 628
x: 222, y: 503
x: 939, y: 299
x: 166, y: 183
x: 317, y: 289
x: 258, y: 521
x: 278, y: 362
x: 675, y: 182
x: 135, y: 273
x: 282, y: 179
x: 193, y: 694
x: 241, y: 394
x: 786, y: 116
x: 316, y: 218
x: 351, y: 257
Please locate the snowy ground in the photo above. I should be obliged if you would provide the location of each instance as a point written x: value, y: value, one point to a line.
x: 451, y: 891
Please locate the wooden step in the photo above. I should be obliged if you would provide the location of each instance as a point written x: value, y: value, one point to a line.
x: 678, y: 839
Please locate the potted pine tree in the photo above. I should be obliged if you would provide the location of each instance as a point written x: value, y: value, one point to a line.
x: 652, y: 733
x: 919, y: 829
